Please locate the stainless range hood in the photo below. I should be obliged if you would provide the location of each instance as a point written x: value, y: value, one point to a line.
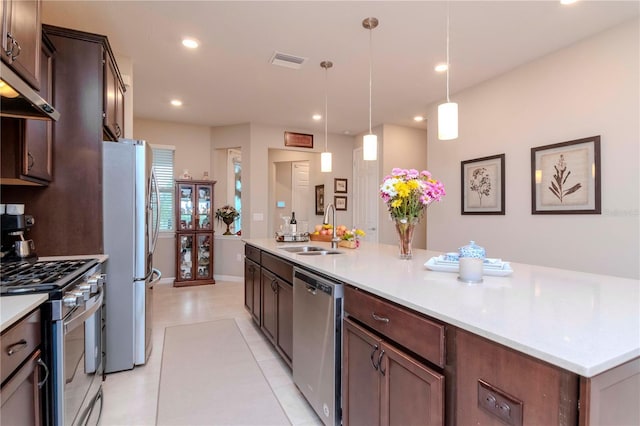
x: 22, y: 101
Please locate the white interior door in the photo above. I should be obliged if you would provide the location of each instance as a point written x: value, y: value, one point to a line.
x: 300, y: 190
x: 365, y: 195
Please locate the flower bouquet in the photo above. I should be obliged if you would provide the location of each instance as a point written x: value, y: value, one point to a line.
x: 407, y: 194
x: 227, y: 214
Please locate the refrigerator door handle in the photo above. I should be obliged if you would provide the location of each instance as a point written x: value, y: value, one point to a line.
x: 156, y: 231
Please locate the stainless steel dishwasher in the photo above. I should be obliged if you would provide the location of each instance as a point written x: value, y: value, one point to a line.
x: 317, y: 343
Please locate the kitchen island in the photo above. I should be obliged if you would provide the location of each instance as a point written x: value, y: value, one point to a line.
x: 582, y: 323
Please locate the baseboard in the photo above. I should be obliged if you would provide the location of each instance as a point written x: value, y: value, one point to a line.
x: 232, y: 278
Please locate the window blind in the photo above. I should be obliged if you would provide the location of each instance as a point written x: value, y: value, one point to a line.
x: 163, y: 162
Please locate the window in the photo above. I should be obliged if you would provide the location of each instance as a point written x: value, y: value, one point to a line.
x: 163, y: 157
x: 234, y: 177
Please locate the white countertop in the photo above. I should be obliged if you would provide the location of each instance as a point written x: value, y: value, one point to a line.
x: 12, y: 308
x: 585, y: 323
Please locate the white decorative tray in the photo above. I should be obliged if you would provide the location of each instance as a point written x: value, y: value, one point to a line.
x: 492, y: 267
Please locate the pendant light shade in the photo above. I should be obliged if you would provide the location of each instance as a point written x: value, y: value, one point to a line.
x: 325, y: 162
x: 370, y: 141
x: 447, y: 121
x: 448, y: 112
x: 325, y: 157
x: 370, y: 147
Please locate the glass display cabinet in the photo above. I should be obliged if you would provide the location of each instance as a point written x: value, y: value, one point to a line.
x: 194, y: 233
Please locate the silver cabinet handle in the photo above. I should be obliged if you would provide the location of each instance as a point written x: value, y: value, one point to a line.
x: 382, y: 371
x: 16, y: 347
x: 16, y: 44
x: 311, y: 290
x: 379, y: 318
x: 373, y: 352
x: 46, y: 373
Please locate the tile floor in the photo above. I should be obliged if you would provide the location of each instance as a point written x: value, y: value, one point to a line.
x: 131, y: 396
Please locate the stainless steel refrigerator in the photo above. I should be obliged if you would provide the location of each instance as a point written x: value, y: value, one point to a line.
x: 130, y: 232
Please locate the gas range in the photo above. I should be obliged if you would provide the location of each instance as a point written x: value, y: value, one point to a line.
x: 23, y: 277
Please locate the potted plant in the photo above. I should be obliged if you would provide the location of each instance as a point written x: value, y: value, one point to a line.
x: 228, y: 215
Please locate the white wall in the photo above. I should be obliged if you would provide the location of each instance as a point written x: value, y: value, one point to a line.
x: 193, y: 152
x: 590, y: 88
x: 264, y: 138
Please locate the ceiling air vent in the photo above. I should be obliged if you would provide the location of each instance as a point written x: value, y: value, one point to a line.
x: 287, y: 60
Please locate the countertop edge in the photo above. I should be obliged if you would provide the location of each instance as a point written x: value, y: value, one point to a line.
x: 13, y: 308
x: 585, y: 369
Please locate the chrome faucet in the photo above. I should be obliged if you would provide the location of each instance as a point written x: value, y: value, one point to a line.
x: 334, y: 238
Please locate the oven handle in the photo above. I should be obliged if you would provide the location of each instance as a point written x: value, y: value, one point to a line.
x: 79, y: 319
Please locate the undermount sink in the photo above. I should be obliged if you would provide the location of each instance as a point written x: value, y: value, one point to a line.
x: 320, y: 252
x: 303, y: 249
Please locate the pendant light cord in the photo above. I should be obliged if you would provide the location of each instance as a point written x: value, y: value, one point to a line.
x: 326, y: 109
x: 448, y: 53
x: 370, y: 74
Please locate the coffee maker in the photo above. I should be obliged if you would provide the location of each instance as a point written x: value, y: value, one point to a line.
x: 14, y: 245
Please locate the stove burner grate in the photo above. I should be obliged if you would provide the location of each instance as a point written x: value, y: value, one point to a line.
x: 39, y: 276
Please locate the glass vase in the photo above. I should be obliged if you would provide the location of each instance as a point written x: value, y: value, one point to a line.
x: 405, y: 227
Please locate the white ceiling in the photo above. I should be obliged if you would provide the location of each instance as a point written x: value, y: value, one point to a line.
x: 229, y: 79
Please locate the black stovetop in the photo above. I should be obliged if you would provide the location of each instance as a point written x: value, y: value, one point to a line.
x: 24, y: 277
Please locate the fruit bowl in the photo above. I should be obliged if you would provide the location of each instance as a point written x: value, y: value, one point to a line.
x: 316, y: 237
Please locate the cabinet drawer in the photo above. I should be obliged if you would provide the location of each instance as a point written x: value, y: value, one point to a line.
x: 412, y: 331
x: 18, y: 342
x: 252, y: 253
x: 278, y: 266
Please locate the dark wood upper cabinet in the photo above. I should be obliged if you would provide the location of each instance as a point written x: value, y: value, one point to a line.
x: 113, y: 99
x: 21, y: 35
x: 27, y: 145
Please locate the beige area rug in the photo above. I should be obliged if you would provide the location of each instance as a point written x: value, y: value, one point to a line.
x: 210, y: 377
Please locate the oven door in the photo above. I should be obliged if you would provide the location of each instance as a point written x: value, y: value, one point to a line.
x: 82, y: 354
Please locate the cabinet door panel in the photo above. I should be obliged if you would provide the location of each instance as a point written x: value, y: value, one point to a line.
x: 285, y: 318
x: 269, y: 305
x: 360, y: 380
x: 185, y: 257
x: 203, y: 269
x: 256, y: 310
x: 414, y: 394
x: 23, y: 23
x: 204, y: 206
x: 249, y: 271
x: 185, y: 204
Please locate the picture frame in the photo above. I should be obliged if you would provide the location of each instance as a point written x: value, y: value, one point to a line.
x: 300, y: 140
x: 319, y: 200
x: 340, y: 202
x: 483, y: 186
x: 340, y: 186
x: 565, y: 177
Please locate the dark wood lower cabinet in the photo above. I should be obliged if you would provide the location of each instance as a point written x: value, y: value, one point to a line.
x: 285, y: 319
x: 277, y: 313
x: 269, y: 305
x: 383, y: 385
x: 525, y: 391
x: 252, y: 289
x: 20, y: 397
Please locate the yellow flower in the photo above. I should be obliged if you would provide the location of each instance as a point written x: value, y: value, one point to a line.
x: 396, y: 203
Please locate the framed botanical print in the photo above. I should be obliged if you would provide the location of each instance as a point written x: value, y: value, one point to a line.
x: 340, y: 202
x: 340, y: 186
x: 565, y: 177
x: 483, y: 181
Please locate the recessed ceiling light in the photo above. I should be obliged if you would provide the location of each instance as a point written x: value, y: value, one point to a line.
x: 418, y: 118
x: 567, y: 1
x: 347, y: 132
x: 441, y: 67
x: 317, y: 117
x: 190, y: 43
x: 176, y: 102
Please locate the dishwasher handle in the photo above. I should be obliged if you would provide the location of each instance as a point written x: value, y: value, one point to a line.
x: 313, y: 284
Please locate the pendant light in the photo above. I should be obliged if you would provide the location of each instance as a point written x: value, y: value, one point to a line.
x: 448, y: 112
x: 370, y: 141
x: 325, y: 157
